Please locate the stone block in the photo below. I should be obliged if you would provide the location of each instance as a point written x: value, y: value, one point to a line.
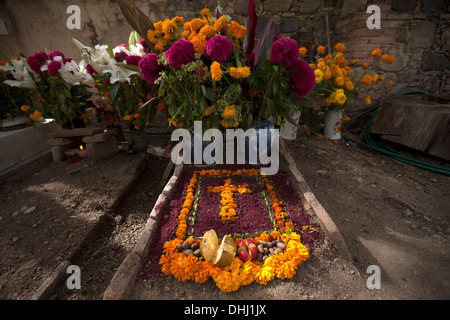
x: 99, y: 150
x: 277, y: 6
x: 99, y: 137
x: 58, y: 152
x: 58, y: 141
x: 403, y: 5
x: 421, y: 34
x: 434, y: 61
x: 431, y: 6
x: 310, y: 6
x: 290, y: 25
x: 350, y: 7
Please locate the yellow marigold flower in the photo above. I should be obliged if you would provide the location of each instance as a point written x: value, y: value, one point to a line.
x: 340, y: 47
x: 376, y: 53
x: 216, y: 72
x: 319, y: 75
x: 24, y: 108
x: 340, y: 99
x: 229, y: 112
x: 220, y: 23
x: 320, y: 49
x: 207, y: 31
x: 367, y: 100
x: 199, y: 42
x: 366, y: 79
x: 265, y: 274
x: 339, y: 81
x: 197, y: 24
x: 236, y: 30
x: 302, y: 51
x: 239, y: 73
x: 349, y: 85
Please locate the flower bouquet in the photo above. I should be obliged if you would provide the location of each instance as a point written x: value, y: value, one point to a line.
x: 122, y: 91
x: 62, y: 85
x: 16, y: 90
x: 207, y: 69
x: 337, y: 85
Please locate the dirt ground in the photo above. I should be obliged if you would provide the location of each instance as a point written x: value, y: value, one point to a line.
x: 391, y: 215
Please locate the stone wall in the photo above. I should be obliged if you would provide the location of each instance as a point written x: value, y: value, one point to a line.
x: 415, y: 31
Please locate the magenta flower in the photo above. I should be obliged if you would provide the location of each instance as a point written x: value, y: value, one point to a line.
x: 53, y: 68
x: 132, y: 60
x: 37, y: 60
x: 284, y: 52
x: 91, y: 70
x: 181, y: 52
x: 303, y: 78
x: 55, y: 53
x: 150, y: 68
x: 219, y: 48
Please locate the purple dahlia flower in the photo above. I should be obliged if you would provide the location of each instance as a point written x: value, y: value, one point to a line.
x: 303, y: 77
x: 150, y: 68
x: 37, y: 60
x: 55, y: 53
x: 219, y: 48
x: 181, y: 52
x: 284, y: 52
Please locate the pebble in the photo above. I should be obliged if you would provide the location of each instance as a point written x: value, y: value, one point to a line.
x: 29, y: 210
x: 118, y: 219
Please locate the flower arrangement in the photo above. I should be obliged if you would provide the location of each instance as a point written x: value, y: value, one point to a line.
x: 17, y: 90
x: 336, y: 83
x: 188, y: 267
x: 207, y: 69
x: 122, y: 90
x: 62, y: 84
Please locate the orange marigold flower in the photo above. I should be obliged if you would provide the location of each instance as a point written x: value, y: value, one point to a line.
x: 340, y: 47
x: 24, y: 108
x: 376, y: 53
x: 239, y: 73
x: 128, y: 117
x: 302, y: 51
x: 236, y: 30
x: 365, y: 65
x: 216, y: 72
x: 320, y: 49
x: 366, y: 79
x: 367, y: 100
x: 208, y: 111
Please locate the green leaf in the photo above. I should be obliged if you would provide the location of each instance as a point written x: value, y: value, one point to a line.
x: 114, y: 90
x: 137, y: 19
x: 110, y: 51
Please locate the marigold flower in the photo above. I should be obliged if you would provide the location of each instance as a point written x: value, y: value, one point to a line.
x: 388, y: 58
x: 349, y: 85
x: 339, y: 81
x: 128, y: 117
x: 24, y: 108
x: 366, y: 79
x: 207, y: 31
x: 208, y: 111
x: 376, y: 53
x: 365, y: 65
x: 216, y: 72
x: 320, y: 49
x: 35, y: 115
x: 367, y: 100
x: 239, y: 73
x: 236, y: 30
x: 340, y: 47
x: 302, y: 51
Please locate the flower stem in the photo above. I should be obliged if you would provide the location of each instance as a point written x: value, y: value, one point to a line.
x: 266, y: 94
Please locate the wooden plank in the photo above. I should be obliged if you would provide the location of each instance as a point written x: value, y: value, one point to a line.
x: 421, y: 122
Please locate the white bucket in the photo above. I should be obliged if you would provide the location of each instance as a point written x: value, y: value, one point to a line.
x: 333, y: 124
x: 288, y: 131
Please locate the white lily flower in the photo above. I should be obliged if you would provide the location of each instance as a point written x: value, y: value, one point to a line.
x: 20, y: 73
x: 119, y: 73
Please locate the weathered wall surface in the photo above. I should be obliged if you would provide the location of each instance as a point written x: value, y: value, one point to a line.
x: 416, y: 31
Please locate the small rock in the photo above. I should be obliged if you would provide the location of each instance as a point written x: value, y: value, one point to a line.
x: 15, y: 214
x: 118, y: 219
x: 29, y: 210
x: 22, y: 210
x: 15, y: 239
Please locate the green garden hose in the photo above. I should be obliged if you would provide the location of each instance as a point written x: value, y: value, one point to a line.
x: 372, y: 144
